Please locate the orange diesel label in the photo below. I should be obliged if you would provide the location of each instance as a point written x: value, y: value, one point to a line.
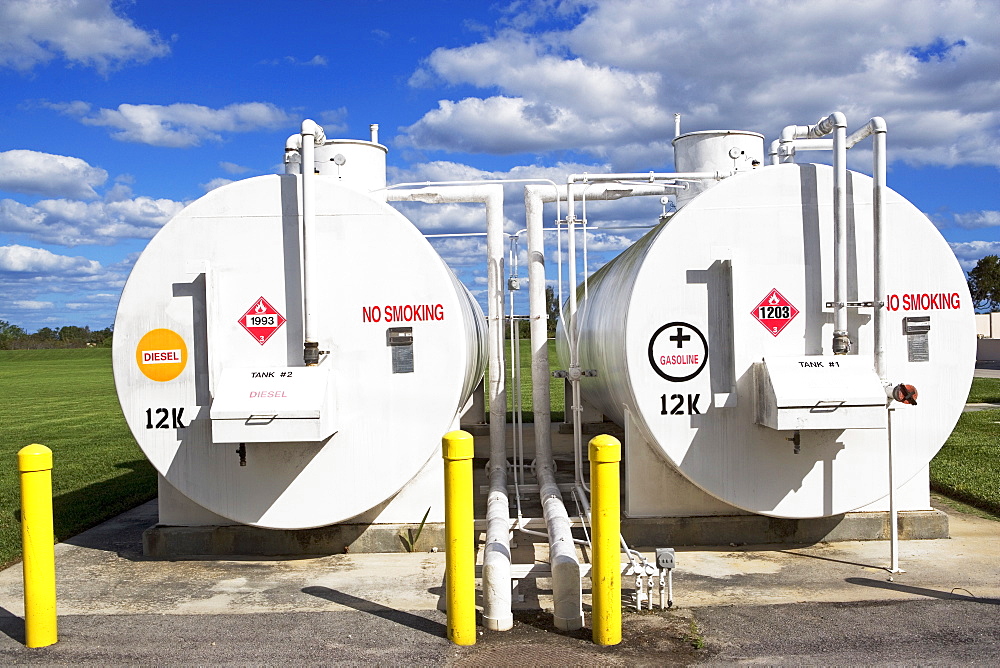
x: 161, y: 355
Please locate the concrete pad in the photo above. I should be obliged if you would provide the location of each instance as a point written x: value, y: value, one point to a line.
x: 103, y: 572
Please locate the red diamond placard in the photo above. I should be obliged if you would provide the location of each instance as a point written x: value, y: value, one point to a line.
x: 262, y: 320
x: 774, y: 312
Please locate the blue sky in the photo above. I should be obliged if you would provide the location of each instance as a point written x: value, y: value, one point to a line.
x: 117, y: 114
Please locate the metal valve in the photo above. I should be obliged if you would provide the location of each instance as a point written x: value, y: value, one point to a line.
x: 905, y: 394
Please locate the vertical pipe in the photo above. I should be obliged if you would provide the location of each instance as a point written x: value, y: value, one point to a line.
x: 310, y: 130
x: 605, y: 455
x: 538, y: 315
x: 460, y: 544
x: 878, y: 221
x: 373, y: 130
x: 497, y: 614
x: 841, y: 340
x: 893, y: 513
x: 567, y: 593
x: 38, y: 544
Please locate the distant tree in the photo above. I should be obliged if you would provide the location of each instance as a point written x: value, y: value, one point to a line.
x: 46, y: 337
x: 102, y: 337
x: 10, y: 335
x: 74, y: 337
x: 984, y: 283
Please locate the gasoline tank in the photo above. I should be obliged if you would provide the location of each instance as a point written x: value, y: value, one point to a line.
x: 711, y: 342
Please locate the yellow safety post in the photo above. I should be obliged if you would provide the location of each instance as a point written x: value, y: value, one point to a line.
x: 459, y: 532
x: 605, y: 518
x: 38, y: 543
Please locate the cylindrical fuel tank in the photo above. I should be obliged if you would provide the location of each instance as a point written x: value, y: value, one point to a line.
x: 208, y: 356
x: 689, y: 328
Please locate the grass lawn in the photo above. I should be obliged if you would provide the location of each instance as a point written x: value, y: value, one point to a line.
x: 985, y: 391
x: 65, y: 399
x: 556, y: 392
x: 968, y: 466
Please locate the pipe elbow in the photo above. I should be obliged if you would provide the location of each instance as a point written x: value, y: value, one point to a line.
x: 293, y: 143
x: 311, y: 127
x: 878, y: 124
x: 838, y: 119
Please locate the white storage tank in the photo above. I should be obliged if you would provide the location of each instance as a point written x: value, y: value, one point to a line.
x: 711, y: 341
x: 208, y: 356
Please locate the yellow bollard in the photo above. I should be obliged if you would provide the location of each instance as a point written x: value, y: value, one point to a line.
x: 606, y: 574
x: 38, y: 543
x: 460, y: 537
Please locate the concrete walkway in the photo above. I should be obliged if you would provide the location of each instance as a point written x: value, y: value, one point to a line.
x: 116, y: 606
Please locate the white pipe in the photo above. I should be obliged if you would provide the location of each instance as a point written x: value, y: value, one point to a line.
x: 649, y: 177
x: 497, y: 614
x: 877, y: 127
x: 312, y: 134
x: 785, y: 151
x: 841, y: 339
x: 373, y: 129
x: 893, y: 513
x: 677, y: 126
x: 566, y: 578
x: 535, y: 197
x: 835, y: 124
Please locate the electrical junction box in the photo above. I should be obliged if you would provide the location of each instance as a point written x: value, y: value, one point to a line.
x: 272, y: 405
x: 819, y: 392
x: 665, y: 558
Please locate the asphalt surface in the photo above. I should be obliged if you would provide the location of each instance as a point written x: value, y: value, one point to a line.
x: 824, y: 604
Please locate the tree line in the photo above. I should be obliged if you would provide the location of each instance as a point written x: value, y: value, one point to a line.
x: 13, y: 337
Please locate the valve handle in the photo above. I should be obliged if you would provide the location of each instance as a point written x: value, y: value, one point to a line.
x: 905, y: 394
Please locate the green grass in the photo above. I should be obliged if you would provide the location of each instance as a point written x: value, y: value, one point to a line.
x: 65, y: 399
x: 967, y: 468
x: 985, y: 391
x: 556, y: 392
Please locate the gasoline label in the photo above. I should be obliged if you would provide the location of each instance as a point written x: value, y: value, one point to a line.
x: 678, y: 351
x: 161, y: 355
x: 262, y: 320
x: 774, y: 312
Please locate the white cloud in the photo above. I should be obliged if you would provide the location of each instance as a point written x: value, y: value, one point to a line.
x: 333, y: 121
x: 970, y: 252
x: 215, y: 183
x: 609, y: 82
x: 31, y: 305
x: 315, y: 61
x: 34, y: 173
x: 27, y: 261
x: 178, y: 125
x: 72, y: 223
x: 233, y: 168
x: 978, y: 219
x: 84, y: 32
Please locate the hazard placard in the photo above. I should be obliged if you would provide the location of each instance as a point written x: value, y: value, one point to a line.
x: 262, y: 320
x: 774, y: 312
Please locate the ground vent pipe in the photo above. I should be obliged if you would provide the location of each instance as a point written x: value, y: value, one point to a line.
x: 497, y: 614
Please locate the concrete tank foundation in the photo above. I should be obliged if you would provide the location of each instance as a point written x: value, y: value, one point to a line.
x: 185, y: 531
